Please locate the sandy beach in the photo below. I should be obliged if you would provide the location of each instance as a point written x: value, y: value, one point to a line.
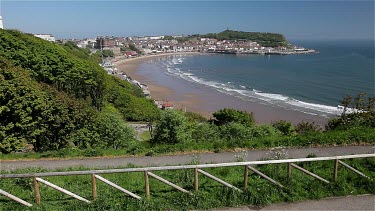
x: 201, y: 99
x: 160, y: 92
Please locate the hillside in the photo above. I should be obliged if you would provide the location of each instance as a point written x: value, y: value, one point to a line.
x: 263, y: 38
x: 54, y: 96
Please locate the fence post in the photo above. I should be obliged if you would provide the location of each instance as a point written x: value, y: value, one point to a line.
x: 93, y: 179
x: 196, y: 183
x: 336, y: 168
x: 147, y: 185
x: 36, y: 191
x: 246, y: 176
x: 289, y: 170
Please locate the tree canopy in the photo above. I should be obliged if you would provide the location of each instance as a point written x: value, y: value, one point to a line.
x: 228, y: 115
x: 53, y: 96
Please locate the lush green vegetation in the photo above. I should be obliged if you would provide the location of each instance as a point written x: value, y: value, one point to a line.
x: 210, y: 194
x: 55, y: 101
x: 56, y: 96
x: 264, y: 39
x: 177, y: 131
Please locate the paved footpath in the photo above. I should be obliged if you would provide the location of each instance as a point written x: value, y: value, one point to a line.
x: 364, y: 202
x: 250, y: 155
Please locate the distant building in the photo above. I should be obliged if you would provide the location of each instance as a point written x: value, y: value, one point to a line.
x: 1, y: 23
x: 105, y: 42
x: 48, y: 37
x: 87, y: 42
x: 131, y: 53
x: 166, y: 105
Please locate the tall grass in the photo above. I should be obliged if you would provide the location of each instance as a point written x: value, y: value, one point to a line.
x: 210, y: 195
x: 352, y: 136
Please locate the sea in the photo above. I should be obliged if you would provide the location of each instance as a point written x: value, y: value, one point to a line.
x: 310, y: 83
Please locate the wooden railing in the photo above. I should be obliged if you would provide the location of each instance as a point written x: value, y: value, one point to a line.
x: 197, y: 169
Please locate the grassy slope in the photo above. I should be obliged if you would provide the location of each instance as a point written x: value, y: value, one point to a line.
x: 210, y: 195
x: 355, y: 136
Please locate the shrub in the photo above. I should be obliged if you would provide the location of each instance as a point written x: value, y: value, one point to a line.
x: 228, y: 115
x: 307, y: 127
x: 116, y: 134
x: 285, y: 127
x: 194, y: 117
x: 357, y: 111
x: 206, y: 132
x: 172, y: 128
x: 236, y: 131
x: 264, y: 131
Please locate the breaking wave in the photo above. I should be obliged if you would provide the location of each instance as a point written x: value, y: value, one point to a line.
x: 249, y: 94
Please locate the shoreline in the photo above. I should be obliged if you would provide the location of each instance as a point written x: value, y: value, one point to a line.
x: 157, y: 91
x: 188, y: 96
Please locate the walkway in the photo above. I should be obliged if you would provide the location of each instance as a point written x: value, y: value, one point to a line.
x: 222, y: 157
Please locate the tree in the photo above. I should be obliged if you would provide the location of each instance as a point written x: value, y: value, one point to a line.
x: 307, y: 127
x: 133, y: 48
x: 357, y: 111
x: 172, y: 128
x: 116, y: 134
x: 108, y: 53
x: 206, y: 133
x: 167, y: 37
x: 285, y: 127
x: 228, y: 115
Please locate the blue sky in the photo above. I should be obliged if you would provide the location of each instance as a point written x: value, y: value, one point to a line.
x: 302, y: 20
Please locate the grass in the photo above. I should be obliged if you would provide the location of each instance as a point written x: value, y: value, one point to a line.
x: 353, y: 136
x: 210, y: 195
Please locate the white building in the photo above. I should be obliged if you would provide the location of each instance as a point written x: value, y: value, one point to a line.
x: 1, y: 23
x: 47, y: 37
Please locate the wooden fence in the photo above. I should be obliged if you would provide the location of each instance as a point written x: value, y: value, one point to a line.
x: 197, y: 170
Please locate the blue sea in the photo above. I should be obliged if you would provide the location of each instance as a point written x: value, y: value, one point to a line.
x: 310, y: 83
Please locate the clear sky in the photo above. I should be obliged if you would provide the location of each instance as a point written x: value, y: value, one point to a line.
x: 296, y: 19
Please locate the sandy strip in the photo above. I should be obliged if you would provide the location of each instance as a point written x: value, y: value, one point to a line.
x: 158, y: 92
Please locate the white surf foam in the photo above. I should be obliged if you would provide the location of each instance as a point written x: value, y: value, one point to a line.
x: 245, y: 93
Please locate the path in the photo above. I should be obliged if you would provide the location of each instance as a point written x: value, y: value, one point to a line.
x: 364, y: 202
x: 250, y: 155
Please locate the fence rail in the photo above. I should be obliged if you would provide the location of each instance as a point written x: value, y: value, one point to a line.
x: 197, y: 169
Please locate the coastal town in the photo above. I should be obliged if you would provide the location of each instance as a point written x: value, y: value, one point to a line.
x: 146, y: 45
x: 135, y: 46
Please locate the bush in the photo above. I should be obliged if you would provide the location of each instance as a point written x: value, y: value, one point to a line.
x: 116, y: 134
x: 307, y: 127
x: 236, y: 132
x: 285, y: 127
x: 228, y: 115
x: 206, y: 132
x: 259, y: 131
x: 172, y: 128
x: 108, y: 130
x: 194, y: 117
x: 357, y: 111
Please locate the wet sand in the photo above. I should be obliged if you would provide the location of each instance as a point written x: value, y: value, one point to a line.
x: 201, y: 99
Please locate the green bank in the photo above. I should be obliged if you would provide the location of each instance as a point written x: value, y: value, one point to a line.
x: 210, y: 194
